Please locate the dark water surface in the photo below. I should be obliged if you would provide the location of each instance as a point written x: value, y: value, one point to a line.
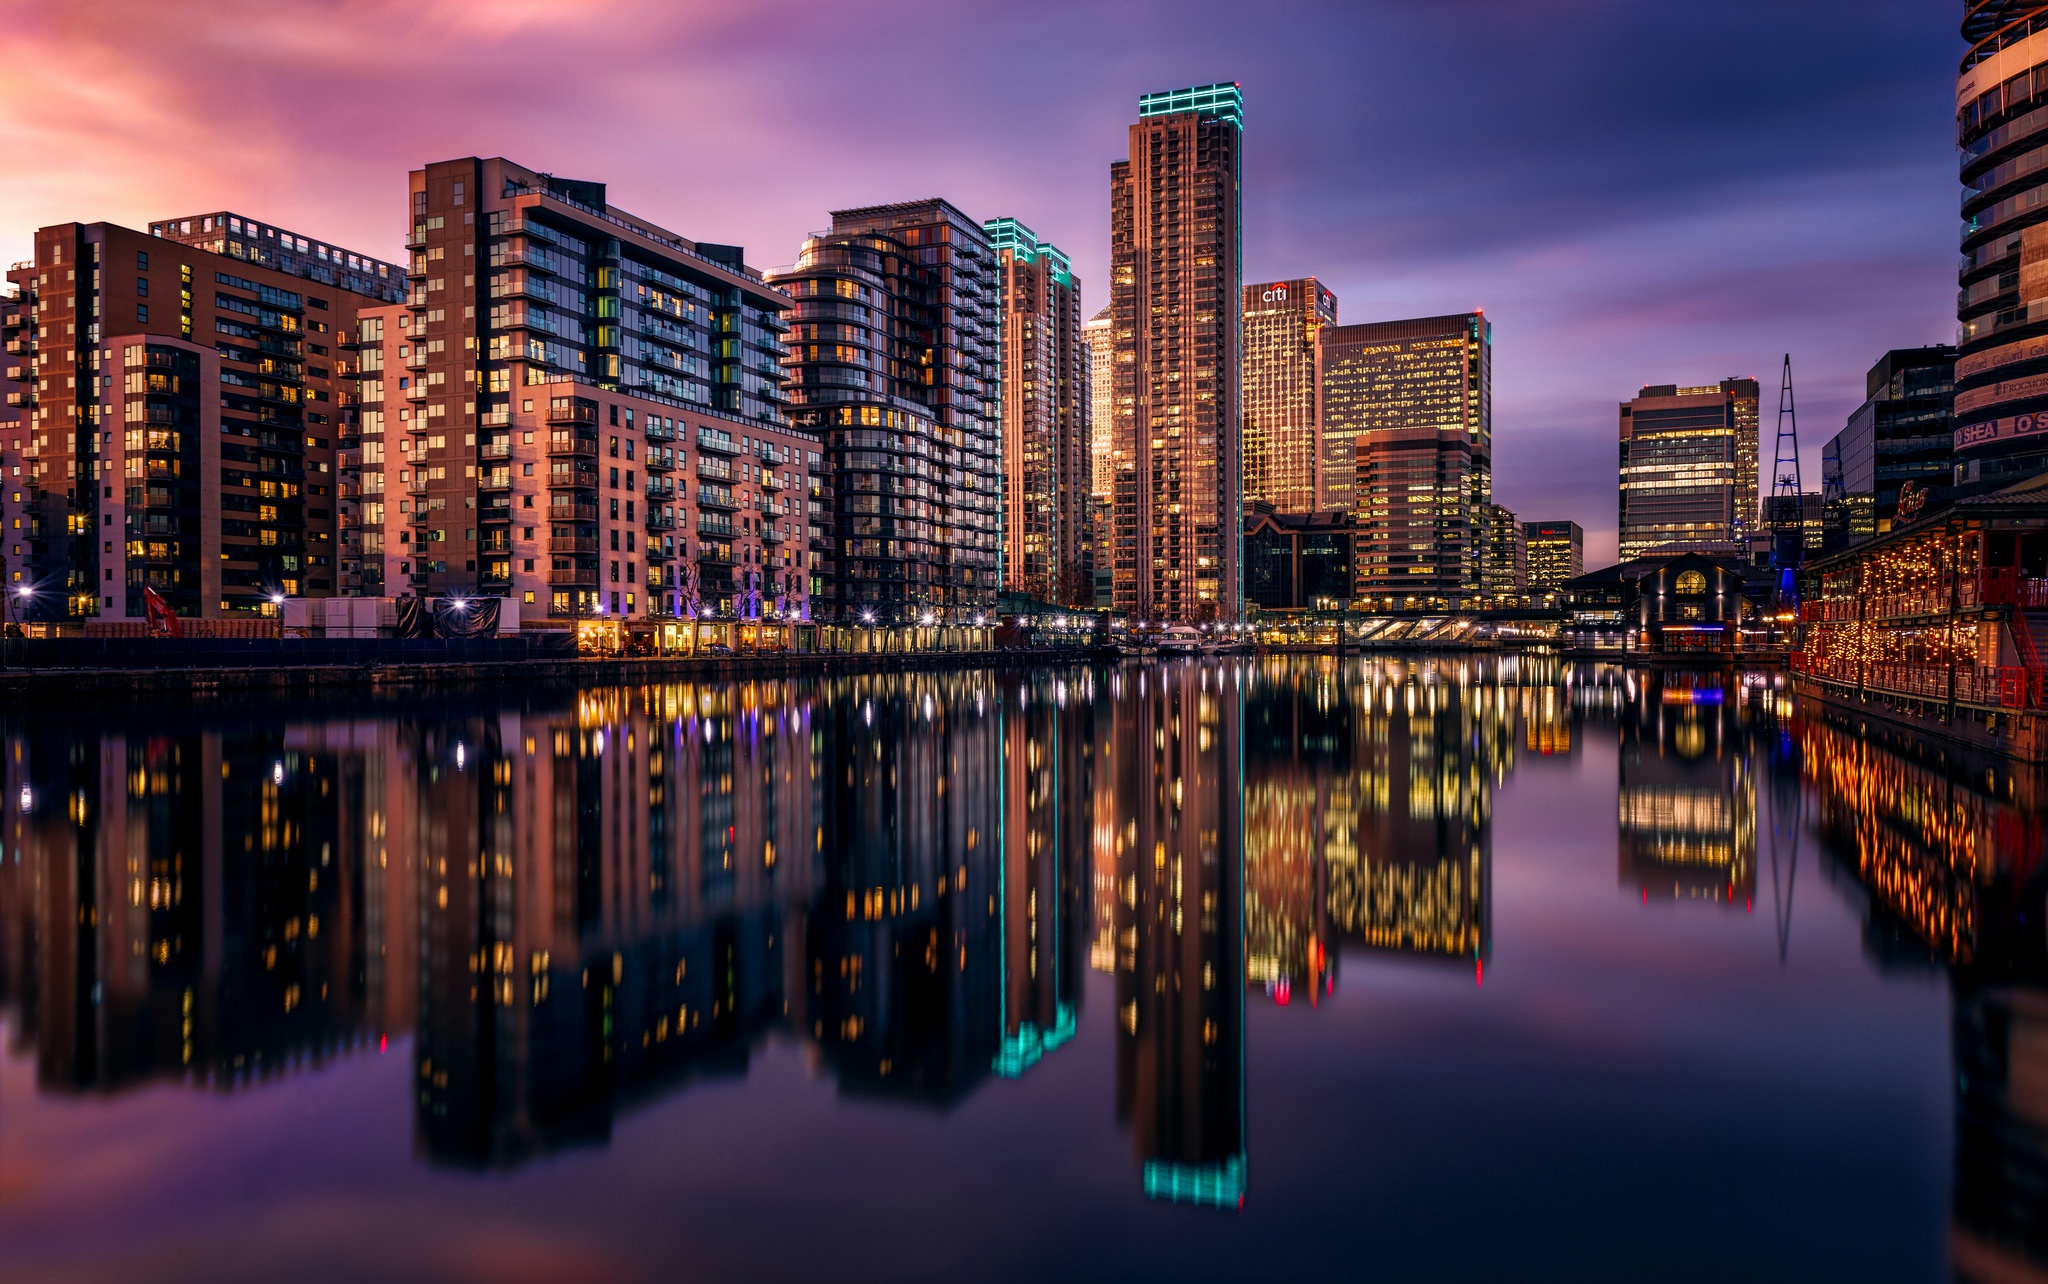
x: 1232, y: 969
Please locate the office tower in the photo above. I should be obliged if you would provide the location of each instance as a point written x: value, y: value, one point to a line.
x: 1099, y: 336
x: 1175, y: 276
x: 1688, y: 466
x: 1298, y: 561
x: 1556, y: 552
x: 1045, y: 455
x: 894, y: 365
x: 181, y: 407
x: 2002, y: 307
x: 1416, y: 398
x: 1506, y: 557
x: 1284, y: 464
x: 534, y: 412
x: 1902, y: 434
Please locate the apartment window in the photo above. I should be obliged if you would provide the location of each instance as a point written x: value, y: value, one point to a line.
x: 142, y: 260
x: 142, y: 286
x: 142, y: 313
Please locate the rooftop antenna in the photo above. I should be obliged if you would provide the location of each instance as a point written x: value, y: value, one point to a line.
x: 1787, y: 517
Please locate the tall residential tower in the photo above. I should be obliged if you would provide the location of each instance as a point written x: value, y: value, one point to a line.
x: 1174, y: 295
x: 1046, y: 461
x: 894, y: 363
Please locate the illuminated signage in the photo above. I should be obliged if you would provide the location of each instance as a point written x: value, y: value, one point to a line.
x: 2005, y: 429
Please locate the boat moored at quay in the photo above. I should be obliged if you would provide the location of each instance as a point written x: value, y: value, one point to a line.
x: 1937, y: 624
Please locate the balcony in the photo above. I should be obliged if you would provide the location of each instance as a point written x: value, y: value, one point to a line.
x: 660, y: 521
x: 717, y: 497
x: 772, y: 481
x: 572, y: 543
x: 572, y: 512
x: 659, y: 552
x: 572, y: 579
x: 566, y: 444
x: 721, y: 442
x: 660, y: 463
x: 495, y: 479
x: 769, y: 535
x: 495, y: 450
x: 499, y: 418
x: 714, y: 529
x: 26, y: 397
x: 714, y: 469
x: 660, y: 488
x: 572, y: 410
x: 660, y: 432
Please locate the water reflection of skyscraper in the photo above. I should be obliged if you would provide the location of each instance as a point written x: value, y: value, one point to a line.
x: 1173, y: 759
x: 1950, y: 854
x: 1687, y: 790
x: 1408, y: 832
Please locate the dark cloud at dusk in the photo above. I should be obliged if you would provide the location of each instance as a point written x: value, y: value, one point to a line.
x: 1635, y: 193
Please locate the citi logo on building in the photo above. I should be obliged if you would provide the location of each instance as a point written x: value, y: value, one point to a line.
x: 1277, y: 294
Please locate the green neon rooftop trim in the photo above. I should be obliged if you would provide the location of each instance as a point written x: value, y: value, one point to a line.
x: 1223, y: 101
x: 1029, y: 1045
x: 1024, y: 245
x: 1207, y: 1185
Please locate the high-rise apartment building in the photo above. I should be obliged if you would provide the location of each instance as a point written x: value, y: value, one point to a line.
x: 1098, y: 337
x: 1046, y: 462
x: 1556, y: 552
x: 1416, y: 398
x: 576, y: 407
x: 1688, y: 466
x: 1284, y: 463
x: 895, y: 365
x: 1176, y: 273
x: 1902, y: 434
x: 1506, y: 557
x: 183, y: 395
x: 2001, y: 373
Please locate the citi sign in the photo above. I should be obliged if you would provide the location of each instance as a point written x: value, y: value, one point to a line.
x: 1278, y: 294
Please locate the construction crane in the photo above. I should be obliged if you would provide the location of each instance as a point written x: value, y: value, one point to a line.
x: 1788, y: 499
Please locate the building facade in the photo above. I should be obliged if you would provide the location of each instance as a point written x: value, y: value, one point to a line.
x: 1688, y: 466
x: 1506, y: 558
x: 579, y: 409
x: 1098, y: 336
x: 1284, y: 463
x: 1902, y: 434
x: 1555, y: 552
x: 1176, y: 273
x: 1046, y: 458
x: 1298, y: 561
x: 182, y: 409
x: 2001, y: 371
x: 895, y: 367
x: 1416, y: 399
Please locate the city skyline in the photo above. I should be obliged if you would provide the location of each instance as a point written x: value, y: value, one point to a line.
x: 1618, y: 251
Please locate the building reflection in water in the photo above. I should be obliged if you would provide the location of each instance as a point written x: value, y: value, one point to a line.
x: 1950, y: 852
x: 1687, y: 789
x: 563, y: 909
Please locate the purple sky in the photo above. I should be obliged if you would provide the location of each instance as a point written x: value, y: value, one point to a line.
x: 1635, y: 192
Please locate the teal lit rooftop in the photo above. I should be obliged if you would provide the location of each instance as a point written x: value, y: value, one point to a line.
x: 1224, y: 101
x: 1023, y: 244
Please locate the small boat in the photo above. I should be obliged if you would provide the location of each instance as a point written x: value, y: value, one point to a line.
x: 1180, y: 639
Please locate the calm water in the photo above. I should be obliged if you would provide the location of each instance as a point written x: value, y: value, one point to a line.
x: 1206, y: 970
